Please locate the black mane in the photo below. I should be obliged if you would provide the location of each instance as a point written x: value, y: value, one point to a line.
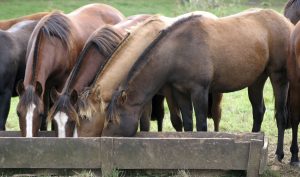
x: 291, y: 3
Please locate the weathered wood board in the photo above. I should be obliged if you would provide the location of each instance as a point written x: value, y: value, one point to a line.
x: 196, y: 150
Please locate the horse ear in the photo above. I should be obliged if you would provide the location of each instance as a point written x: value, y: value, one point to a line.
x: 74, y: 97
x: 38, y: 88
x: 20, y: 87
x: 54, y: 94
x: 123, y: 97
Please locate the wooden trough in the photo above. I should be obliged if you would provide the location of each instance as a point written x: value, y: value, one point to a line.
x: 197, y: 150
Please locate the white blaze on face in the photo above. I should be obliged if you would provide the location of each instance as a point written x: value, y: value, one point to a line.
x: 29, y: 122
x: 75, y: 135
x: 61, y: 119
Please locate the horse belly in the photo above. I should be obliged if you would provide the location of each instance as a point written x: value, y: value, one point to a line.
x: 237, y: 69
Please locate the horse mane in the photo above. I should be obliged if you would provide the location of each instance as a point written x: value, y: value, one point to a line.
x: 141, y: 62
x: 29, y: 97
x: 56, y: 25
x: 63, y: 103
x: 290, y: 3
x: 105, y: 40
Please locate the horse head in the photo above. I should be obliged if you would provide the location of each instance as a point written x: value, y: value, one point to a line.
x: 121, y: 119
x: 30, y: 109
x: 63, y: 113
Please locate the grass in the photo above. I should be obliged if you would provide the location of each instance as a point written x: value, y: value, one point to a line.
x: 236, y: 113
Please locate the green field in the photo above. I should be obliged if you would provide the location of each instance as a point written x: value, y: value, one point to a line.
x: 237, y: 111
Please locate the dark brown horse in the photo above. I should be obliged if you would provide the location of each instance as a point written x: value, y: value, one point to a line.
x: 292, y: 10
x: 293, y: 65
x: 13, y: 61
x: 53, y: 48
x: 5, y: 24
x: 91, y: 60
x: 198, y: 55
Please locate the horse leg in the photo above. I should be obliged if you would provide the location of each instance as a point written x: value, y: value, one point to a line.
x: 186, y: 108
x: 46, y: 101
x: 280, y: 87
x: 255, y: 94
x: 294, y: 115
x: 215, y: 109
x: 294, y: 147
x: 200, y: 102
x: 4, y: 108
x: 158, y: 111
x: 145, y: 118
x: 174, y: 110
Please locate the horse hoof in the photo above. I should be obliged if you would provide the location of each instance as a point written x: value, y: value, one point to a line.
x: 279, y: 157
x: 295, y: 164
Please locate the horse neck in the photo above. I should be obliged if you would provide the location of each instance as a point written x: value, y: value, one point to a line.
x: 126, y: 55
x: 155, y: 72
x: 87, y: 69
x: 52, y: 63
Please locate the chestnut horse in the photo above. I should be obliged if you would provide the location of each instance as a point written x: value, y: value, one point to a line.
x: 92, y: 58
x: 293, y: 64
x: 5, y: 24
x: 53, y: 48
x: 13, y: 61
x: 198, y: 55
x: 292, y: 10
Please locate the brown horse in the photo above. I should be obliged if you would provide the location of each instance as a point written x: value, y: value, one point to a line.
x: 293, y: 64
x: 292, y: 10
x: 5, y: 24
x: 92, y: 58
x: 53, y: 48
x: 198, y: 55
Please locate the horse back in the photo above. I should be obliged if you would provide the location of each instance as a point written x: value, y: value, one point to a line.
x: 92, y: 14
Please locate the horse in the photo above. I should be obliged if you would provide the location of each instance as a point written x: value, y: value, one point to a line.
x: 294, y: 95
x: 6, y: 24
x: 52, y: 50
x: 92, y: 58
x: 94, y: 102
x: 198, y: 55
x: 292, y: 11
x: 13, y: 61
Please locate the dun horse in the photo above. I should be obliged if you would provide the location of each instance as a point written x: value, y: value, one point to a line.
x: 293, y: 64
x: 292, y: 10
x: 13, y: 61
x: 5, y: 24
x: 94, y: 55
x: 53, y: 48
x: 198, y: 55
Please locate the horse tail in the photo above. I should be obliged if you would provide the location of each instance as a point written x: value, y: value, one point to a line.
x: 158, y: 110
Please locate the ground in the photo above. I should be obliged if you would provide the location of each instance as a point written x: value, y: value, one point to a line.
x: 236, y: 114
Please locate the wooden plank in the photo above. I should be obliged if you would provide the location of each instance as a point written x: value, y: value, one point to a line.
x: 191, y: 153
x: 50, y: 153
x: 254, y: 158
x: 264, y: 156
